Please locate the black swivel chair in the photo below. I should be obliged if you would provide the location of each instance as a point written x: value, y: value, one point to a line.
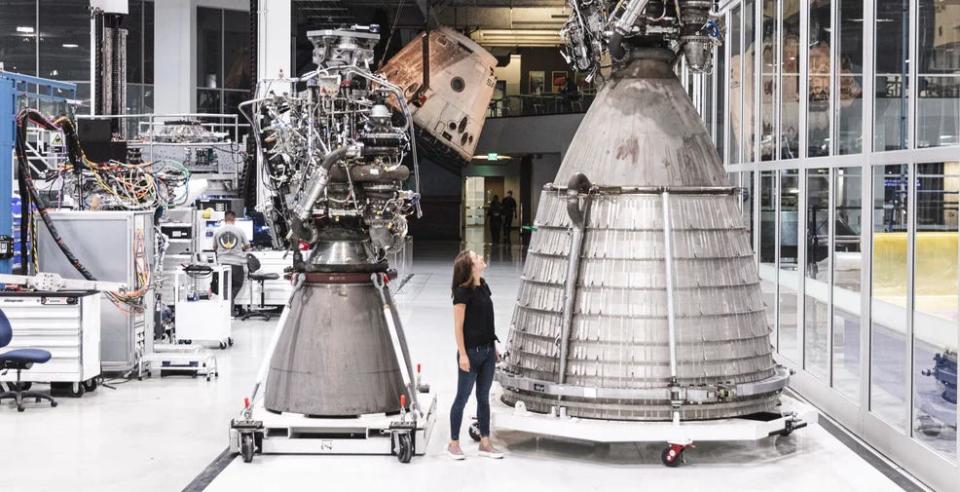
x: 19, y: 360
x: 253, y: 273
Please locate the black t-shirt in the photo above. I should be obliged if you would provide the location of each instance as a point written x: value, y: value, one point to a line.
x: 478, y: 327
x: 509, y: 205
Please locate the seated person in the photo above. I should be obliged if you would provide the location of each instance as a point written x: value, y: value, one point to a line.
x: 229, y: 244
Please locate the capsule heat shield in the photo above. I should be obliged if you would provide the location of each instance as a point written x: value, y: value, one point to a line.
x: 644, y: 148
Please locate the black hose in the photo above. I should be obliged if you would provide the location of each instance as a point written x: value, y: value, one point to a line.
x: 615, y: 46
x: 28, y: 189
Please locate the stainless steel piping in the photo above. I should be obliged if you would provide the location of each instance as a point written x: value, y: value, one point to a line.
x: 578, y: 184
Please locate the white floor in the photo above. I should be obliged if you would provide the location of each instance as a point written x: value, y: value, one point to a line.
x: 159, y: 434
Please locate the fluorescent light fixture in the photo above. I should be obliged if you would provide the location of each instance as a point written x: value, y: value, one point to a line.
x: 492, y: 156
x: 25, y: 29
x: 70, y: 45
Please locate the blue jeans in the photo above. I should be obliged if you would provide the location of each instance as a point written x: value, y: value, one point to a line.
x: 483, y: 361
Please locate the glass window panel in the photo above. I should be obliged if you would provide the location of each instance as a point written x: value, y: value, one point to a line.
x: 847, y: 261
x: 209, y: 49
x: 148, y: 99
x: 935, y: 320
x: 768, y: 82
x: 891, y: 97
x: 849, y: 111
x: 747, y: 201
x: 789, y: 280
x: 768, y: 246
x: 721, y: 115
x: 133, y: 23
x: 938, y: 82
x: 790, y: 81
x: 208, y: 101
x: 736, y: 96
x: 232, y: 99
x: 64, y: 38
x: 148, y: 26
x: 816, y: 319
x: 889, y: 295
x: 18, y: 36
x: 749, y: 71
x: 818, y: 81
x: 236, y: 49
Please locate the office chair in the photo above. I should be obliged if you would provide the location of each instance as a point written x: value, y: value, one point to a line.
x: 253, y: 267
x: 20, y: 359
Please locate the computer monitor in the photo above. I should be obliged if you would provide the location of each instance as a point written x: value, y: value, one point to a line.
x: 246, y: 225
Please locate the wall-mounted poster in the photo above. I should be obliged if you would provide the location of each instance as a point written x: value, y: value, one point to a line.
x: 537, y: 80
x: 582, y: 84
x: 558, y: 81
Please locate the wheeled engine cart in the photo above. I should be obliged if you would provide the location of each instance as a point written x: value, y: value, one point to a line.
x: 404, y: 435
x: 677, y: 435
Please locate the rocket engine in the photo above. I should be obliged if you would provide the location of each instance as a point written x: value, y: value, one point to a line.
x: 640, y: 297
x: 333, y: 162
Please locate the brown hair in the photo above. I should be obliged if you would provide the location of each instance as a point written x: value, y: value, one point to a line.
x: 462, y: 270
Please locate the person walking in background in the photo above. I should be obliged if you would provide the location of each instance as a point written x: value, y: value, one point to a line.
x: 495, y: 214
x: 509, y: 206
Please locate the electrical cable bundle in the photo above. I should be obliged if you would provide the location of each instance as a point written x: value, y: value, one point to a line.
x: 142, y: 186
x: 30, y: 201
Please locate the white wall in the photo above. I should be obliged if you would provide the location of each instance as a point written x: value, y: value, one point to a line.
x: 175, y: 51
x: 511, y: 74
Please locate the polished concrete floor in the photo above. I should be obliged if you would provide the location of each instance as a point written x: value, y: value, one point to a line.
x: 159, y: 434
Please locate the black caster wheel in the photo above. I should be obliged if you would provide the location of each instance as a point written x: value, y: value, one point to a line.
x: 230, y: 341
x: 53, y: 404
x: 671, y: 458
x: 931, y: 431
x: 90, y: 385
x: 247, y: 446
x: 208, y: 378
x: 404, y: 448
x: 188, y: 342
x: 75, y: 390
x: 474, y: 431
x: 19, y: 408
x: 223, y: 345
x: 37, y: 399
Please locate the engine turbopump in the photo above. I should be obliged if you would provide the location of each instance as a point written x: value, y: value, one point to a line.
x: 333, y: 155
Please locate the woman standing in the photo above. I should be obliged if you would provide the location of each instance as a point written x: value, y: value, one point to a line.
x: 476, y: 350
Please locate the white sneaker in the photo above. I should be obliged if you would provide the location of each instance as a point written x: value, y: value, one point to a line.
x: 455, y: 453
x: 491, y: 452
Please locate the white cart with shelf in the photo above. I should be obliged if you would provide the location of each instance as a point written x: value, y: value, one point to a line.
x: 202, y: 320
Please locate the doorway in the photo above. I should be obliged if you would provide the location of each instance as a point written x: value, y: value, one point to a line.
x: 478, y: 192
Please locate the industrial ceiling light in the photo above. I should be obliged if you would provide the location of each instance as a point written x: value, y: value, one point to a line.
x: 517, y: 37
x: 70, y: 45
x: 492, y: 156
x: 25, y: 29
